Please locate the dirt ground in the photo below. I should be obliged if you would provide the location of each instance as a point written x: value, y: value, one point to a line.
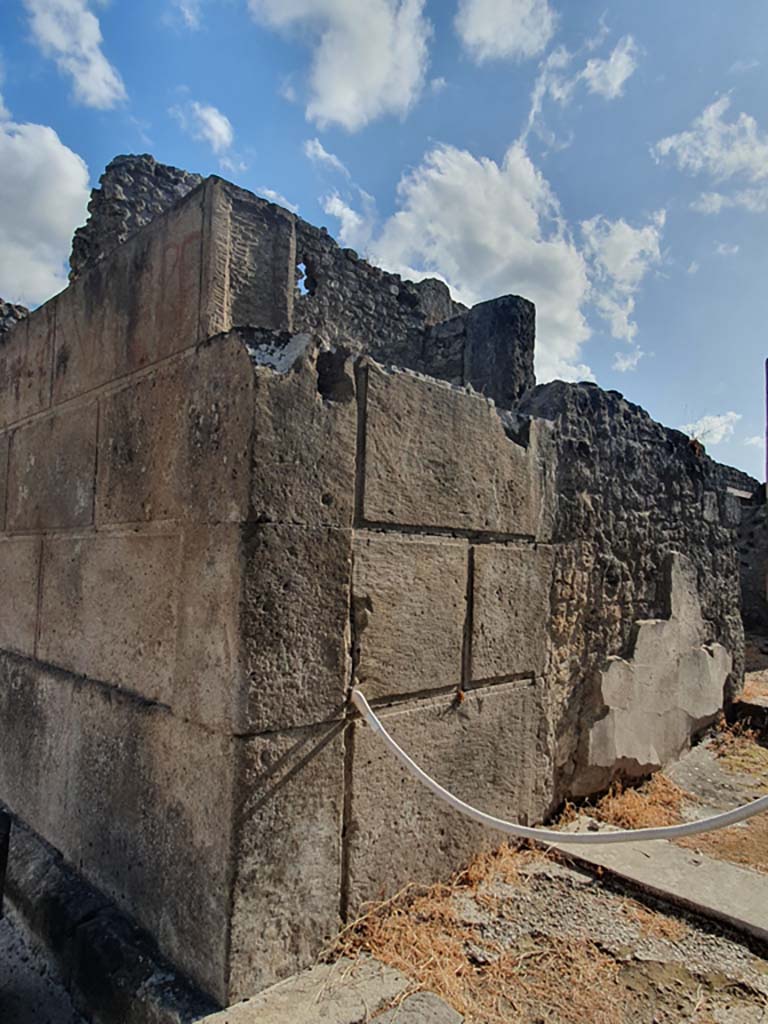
x: 521, y: 937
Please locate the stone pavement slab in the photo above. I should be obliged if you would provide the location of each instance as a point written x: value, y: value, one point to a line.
x: 347, y: 992
x: 714, y: 888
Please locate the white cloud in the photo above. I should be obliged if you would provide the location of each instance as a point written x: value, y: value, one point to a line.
x: 607, y: 77
x: 495, y: 29
x: 365, y: 63
x: 717, y: 147
x: 355, y: 228
x: 621, y: 256
x: 740, y: 67
x: 436, y: 85
x: 189, y: 11
x: 627, y: 361
x: 315, y: 151
x: 726, y: 249
x: 487, y: 229
x: 206, y: 123
x: 755, y: 200
x: 756, y: 441
x: 279, y: 198
x: 693, y: 267
x: 68, y: 32
x: 712, y: 429
x: 44, y: 194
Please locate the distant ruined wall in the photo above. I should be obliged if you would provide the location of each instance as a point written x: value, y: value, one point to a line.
x: 223, y: 506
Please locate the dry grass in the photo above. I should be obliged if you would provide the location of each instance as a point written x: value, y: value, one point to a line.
x: 542, y: 978
x: 655, y: 803
x: 745, y: 844
x: 755, y: 686
x: 739, y: 751
x: 652, y: 924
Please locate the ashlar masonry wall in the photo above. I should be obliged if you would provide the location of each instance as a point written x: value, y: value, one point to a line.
x: 211, y: 524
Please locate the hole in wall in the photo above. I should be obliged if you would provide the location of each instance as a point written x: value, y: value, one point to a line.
x: 335, y: 382
x: 306, y: 283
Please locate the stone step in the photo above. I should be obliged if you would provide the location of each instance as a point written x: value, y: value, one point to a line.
x: 346, y: 992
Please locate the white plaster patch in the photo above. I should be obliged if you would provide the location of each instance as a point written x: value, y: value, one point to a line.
x: 280, y: 358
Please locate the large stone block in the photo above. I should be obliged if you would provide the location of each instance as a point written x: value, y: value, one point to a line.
x: 304, y: 443
x: 510, y: 610
x: 20, y: 573
x: 176, y: 443
x: 437, y: 456
x: 208, y: 682
x: 108, y: 608
x: 409, y: 602
x: 286, y: 895
x: 138, y: 305
x: 491, y: 750
x: 249, y: 269
x: 4, y: 446
x: 139, y: 801
x: 26, y: 359
x: 295, y: 625
x: 51, y: 471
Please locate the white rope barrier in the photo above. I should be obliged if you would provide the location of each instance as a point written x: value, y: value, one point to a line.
x: 543, y: 835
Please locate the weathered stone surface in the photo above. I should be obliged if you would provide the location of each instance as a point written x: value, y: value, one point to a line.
x: 295, y: 625
x: 208, y: 678
x: 133, y: 308
x: 26, y: 359
x: 10, y: 314
x: 510, y: 612
x: 133, y: 190
x: 667, y: 688
x: 52, y: 469
x: 346, y: 992
x: 498, y: 360
x: 78, y: 756
x: 304, y: 438
x: 409, y: 604
x: 176, y: 444
x: 437, y: 457
x: 286, y: 895
x: 4, y: 446
x: 491, y: 750
x: 20, y: 573
x: 753, y: 563
x: 108, y: 608
x: 629, y: 492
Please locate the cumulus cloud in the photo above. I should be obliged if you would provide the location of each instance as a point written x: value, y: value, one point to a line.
x: 69, y: 33
x: 726, y: 249
x: 497, y: 29
x: 607, y: 77
x: 44, y: 195
x: 712, y: 429
x: 626, y: 361
x: 487, y: 229
x: 693, y: 267
x: 364, y: 65
x: 718, y: 147
x: 756, y: 441
x: 355, y: 227
x: 621, y: 256
x: 755, y: 200
x: 189, y: 11
x: 206, y: 123
x: 279, y: 198
x: 315, y: 151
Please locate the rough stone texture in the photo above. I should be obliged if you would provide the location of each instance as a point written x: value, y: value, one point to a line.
x: 346, y: 992
x: 667, y: 688
x: 77, y: 756
x: 10, y: 314
x: 20, y: 573
x: 176, y: 444
x: 108, y: 608
x: 753, y: 564
x: 4, y: 447
x: 145, y: 299
x: 510, y: 612
x: 286, y: 894
x: 52, y: 471
x: 295, y: 625
x: 26, y: 360
x: 304, y: 438
x: 629, y: 492
x: 409, y: 601
x: 133, y: 191
x: 491, y: 749
x: 417, y: 468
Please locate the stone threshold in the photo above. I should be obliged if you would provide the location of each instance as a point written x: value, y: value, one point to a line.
x: 111, y: 967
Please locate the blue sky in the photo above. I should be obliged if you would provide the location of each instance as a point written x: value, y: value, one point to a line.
x: 608, y: 161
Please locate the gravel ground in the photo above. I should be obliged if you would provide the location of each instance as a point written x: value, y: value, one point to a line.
x: 30, y: 993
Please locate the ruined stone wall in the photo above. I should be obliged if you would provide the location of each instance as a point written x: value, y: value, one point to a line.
x: 753, y: 564
x: 629, y: 492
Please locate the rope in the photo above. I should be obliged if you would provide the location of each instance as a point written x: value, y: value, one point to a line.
x: 543, y: 835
